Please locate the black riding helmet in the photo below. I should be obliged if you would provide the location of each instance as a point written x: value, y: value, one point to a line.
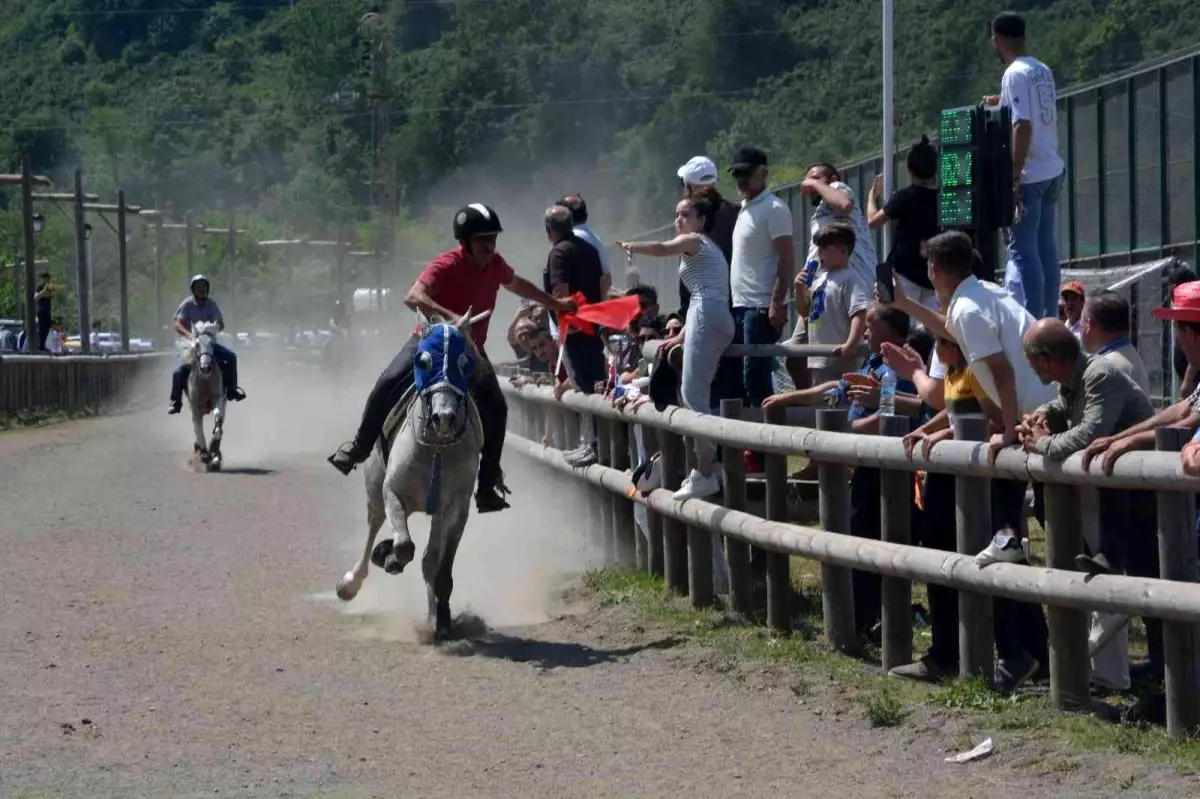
x: 475, y: 219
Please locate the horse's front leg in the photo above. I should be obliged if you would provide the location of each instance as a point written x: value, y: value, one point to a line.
x: 351, y: 582
x: 445, y: 532
x: 403, y: 549
x: 214, y: 447
x: 198, y: 426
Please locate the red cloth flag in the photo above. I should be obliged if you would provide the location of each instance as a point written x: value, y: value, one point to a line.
x: 614, y: 314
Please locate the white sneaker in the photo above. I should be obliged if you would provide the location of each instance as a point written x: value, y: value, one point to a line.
x: 697, y: 486
x: 1004, y: 548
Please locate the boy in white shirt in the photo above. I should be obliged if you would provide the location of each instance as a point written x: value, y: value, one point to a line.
x: 837, y: 304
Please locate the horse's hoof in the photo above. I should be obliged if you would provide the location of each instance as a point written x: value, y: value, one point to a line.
x: 214, y: 465
x: 347, y: 588
x: 381, y: 552
x: 392, y: 564
x: 442, y: 629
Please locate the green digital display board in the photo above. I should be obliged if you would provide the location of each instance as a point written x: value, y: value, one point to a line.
x: 957, y: 168
x: 957, y: 126
x: 956, y: 207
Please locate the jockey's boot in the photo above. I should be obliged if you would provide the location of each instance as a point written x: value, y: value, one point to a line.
x: 489, y: 501
x: 175, y: 407
x: 347, y: 457
x: 234, y: 394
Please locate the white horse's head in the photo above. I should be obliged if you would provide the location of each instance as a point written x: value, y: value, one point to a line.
x: 442, y: 370
x: 204, y: 339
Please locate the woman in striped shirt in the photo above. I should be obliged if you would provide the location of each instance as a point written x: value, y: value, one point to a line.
x: 708, y: 330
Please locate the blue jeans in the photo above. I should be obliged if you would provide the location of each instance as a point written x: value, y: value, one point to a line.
x: 226, y: 362
x: 1033, y: 250
x: 752, y: 326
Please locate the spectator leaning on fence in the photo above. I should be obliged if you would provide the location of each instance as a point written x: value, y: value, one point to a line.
x: 1027, y: 89
x: 914, y: 212
x: 1184, y: 313
x: 708, y: 330
x: 988, y: 324
x: 55, y: 340
x: 1104, y: 331
x: 761, y: 271
x: 1185, y: 372
x: 1095, y: 399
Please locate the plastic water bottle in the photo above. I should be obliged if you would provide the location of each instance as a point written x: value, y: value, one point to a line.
x: 810, y: 272
x: 887, y: 391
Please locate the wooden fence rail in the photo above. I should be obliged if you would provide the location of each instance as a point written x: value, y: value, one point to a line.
x: 1070, y: 594
x: 72, y: 383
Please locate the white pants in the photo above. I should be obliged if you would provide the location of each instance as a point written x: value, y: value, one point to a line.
x: 710, y: 331
x: 918, y: 294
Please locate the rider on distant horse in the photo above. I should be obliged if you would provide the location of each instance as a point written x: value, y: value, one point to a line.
x: 198, y: 307
x: 466, y: 278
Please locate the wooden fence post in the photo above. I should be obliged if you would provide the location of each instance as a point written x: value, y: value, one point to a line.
x: 1070, y: 670
x: 837, y: 587
x: 895, y: 511
x: 737, y: 554
x: 675, y: 559
x: 655, y: 555
x: 973, y: 511
x: 779, y: 566
x: 625, y: 536
x: 699, y: 550
x: 641, y: 550
x: 604, y: 508
x: 1178, y: 561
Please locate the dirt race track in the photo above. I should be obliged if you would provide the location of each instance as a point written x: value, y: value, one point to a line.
x: 166, y: 633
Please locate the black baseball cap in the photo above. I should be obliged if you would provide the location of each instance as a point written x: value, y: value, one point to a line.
x: 746, y: 159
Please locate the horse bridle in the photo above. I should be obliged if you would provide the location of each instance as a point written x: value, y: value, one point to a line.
x: 426, y: 397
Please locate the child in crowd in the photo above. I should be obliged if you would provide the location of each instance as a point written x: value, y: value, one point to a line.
x: 838, y: 302
x: 914, y: 210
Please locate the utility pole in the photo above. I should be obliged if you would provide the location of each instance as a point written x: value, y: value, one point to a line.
x: 123, y: 266
x: 85, y: 317
x: 159, y: 244
x: 187, y: 237
x: 376, y: 45
x: 231, y: 246
x: 30, y: 251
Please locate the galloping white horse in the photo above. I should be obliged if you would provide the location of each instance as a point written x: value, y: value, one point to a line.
x: 205, y: 390
x: 429, y: 467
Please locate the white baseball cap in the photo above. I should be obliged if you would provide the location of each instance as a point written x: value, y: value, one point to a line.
x: 699, y: 171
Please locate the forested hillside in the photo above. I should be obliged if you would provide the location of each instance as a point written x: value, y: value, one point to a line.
x: 262, y: 102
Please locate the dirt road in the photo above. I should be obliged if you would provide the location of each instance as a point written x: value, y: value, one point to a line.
x: 165, y: 633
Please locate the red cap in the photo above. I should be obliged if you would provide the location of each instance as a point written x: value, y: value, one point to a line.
x: 1073, y: 287
x: 1185, y: 304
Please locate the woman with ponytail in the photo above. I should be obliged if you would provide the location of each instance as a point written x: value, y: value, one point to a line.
x: 708, y: 330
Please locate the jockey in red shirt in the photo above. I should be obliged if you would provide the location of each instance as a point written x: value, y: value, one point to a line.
x: 466, y: 278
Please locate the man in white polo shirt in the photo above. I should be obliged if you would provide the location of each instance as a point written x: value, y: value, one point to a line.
x: 762, y: 266
x: 989, y: 326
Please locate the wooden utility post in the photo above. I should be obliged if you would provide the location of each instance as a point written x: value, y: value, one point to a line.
x: 85, y: 317
x: 231, y: 246
x: 159, y: 244
x: 30, y: 252
x: 340, y: 267
x: 123, y: 266
x: 188, y: 237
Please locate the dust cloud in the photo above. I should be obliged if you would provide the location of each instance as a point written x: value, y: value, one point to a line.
x: 512, y: 567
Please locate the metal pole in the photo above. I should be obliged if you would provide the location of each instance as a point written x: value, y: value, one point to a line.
x: 85, y: 320
x: 889, y: 132
x: 123, y: 266
x: 91, y: 272
x: 30, y: 252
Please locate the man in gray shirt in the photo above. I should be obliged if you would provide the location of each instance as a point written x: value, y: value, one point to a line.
x: 1104, y: 331
x: 199, y: 307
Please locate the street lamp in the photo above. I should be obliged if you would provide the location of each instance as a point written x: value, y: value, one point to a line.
x: 87, y: 230
x: 39, y: 223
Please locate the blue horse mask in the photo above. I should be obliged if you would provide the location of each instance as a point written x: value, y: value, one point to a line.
x: 443, y: 359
